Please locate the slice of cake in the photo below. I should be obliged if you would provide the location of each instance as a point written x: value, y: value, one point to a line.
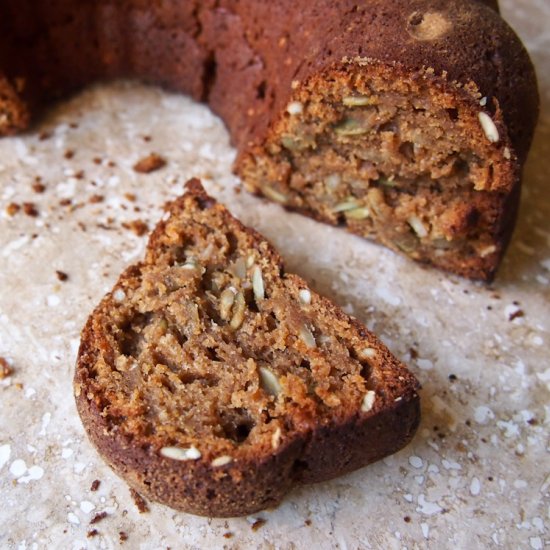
x: 212, y: 381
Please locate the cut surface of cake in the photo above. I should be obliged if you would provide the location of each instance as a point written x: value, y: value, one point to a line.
x: 212, y: 381
x: 404, y: 121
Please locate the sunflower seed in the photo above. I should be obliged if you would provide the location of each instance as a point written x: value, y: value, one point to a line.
x: 350, y: 127
x: 349, y: 204
x: 367, y: 353
x: 295, y: 108
x: 227, y: 299
x: 221, y: 461
x: 238, y: 311
x: 269, y: 382
x: 307, y: 337
x: 305, y: 296
x: 489, y: 127
x: 368, y: 401
x: 274, y: 195
x: 190, y: 263
x: 276, y: 438
x: 258, y: 283
x: 238, y: 268
x: 356, y: 101
x: 418, y: 227
x: 177, y: 453
x: 358, y: 213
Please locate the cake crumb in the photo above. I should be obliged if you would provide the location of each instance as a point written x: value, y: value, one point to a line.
x: 98, y: 517
x: 5, y: 369
x: 228, y: 535
x: 139, y: 227
x: 516, y: 314
x: 12, y: 209
x: 38, y: 187
x: 94, y: 199
x: 122, y: 536
x: 258, y: 524
x: 130, y: 196
x: 44, y: 135
x: 69, y: 154
x: 92, y: 533
x: 29, y: 208
x: 95, y: 485
x: 139, y: 501
x: 149, y: 164
x: 61, y: 275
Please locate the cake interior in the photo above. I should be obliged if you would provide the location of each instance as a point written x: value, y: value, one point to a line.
x: 392, y: 158
x: 210, y: 342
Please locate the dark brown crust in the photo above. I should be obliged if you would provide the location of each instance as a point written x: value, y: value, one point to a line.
x: 261, y: 480
x: 223, y: 53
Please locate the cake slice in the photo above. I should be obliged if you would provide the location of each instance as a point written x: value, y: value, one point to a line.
x: 212, y: 381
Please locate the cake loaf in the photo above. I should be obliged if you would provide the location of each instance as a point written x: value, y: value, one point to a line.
x: 212, y: 381
x: 405, y: 121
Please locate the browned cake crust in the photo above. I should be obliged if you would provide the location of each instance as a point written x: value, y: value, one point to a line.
x: 405, y: 121
x: 212, y: 381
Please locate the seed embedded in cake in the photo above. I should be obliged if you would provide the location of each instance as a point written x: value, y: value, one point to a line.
x: 238, y: 268
x: 307, y: 337
x: 356, y: 101
x: 506, y: 153
x: 190, y: 264
x: 274, y: 195
x: 418, y: 227
x: 177, y: 453
x: 489, y: 127
x: 221, y: 461
x: 295, y: 108
x: 276, y: 438
x: 227, y: 299
x: 357, y: 213
x: 258, y: 283
x: 376, y: 202
x: 305, y: 296
x: 269, y: 382
x: 238, y: 311
x: 368, y: 401
x: 351, y: 127
x: 119, y: 295
x: 367, y: 353
x: 349, y: 204
x: 487, y: 250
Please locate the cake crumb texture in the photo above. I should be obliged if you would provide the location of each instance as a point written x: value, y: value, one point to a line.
x: 211, y: 385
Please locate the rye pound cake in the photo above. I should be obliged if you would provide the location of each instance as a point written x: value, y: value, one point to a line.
x: 212, y: 381
x: 405, y: 121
